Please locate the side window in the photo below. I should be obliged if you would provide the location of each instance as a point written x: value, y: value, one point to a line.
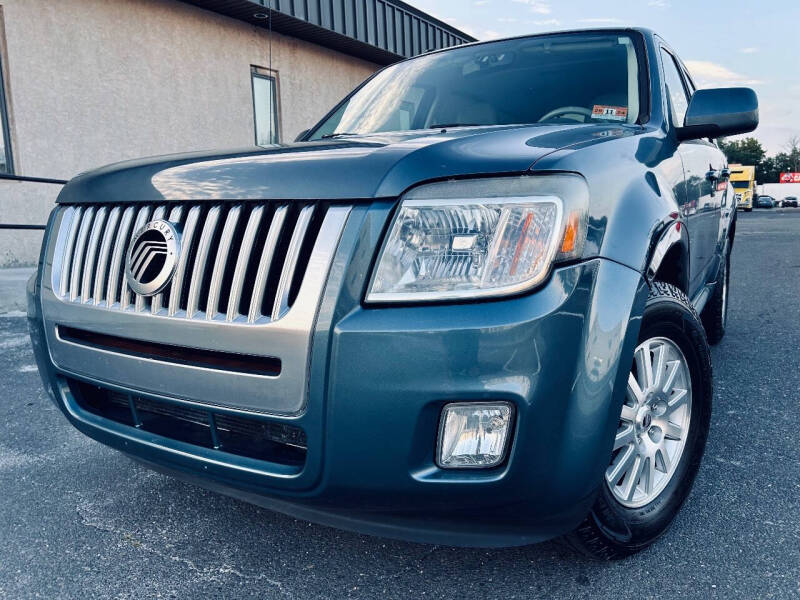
x: 6, y: 164
x: 265, y: 106
x: 676, y: 91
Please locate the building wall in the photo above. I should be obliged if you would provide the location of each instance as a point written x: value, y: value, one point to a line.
x: 91, y: 82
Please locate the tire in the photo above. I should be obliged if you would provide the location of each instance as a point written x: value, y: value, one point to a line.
x: 715, y: 312
x: 748, y: 210
x: 613, y: 530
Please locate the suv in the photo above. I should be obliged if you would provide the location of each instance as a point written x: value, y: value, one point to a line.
x: 471, y: 306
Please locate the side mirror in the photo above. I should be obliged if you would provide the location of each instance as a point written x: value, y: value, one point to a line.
x: 720, y: 112
x: 301, y: 135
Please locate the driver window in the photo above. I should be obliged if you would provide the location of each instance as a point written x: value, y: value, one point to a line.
x: 676, y: 92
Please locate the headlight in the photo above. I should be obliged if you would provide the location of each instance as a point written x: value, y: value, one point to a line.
x: 480, y: 237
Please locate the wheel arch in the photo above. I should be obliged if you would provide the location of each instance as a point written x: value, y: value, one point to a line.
x: 669, y: 257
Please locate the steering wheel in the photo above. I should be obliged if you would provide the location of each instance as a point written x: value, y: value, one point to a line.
x: 563, y: 111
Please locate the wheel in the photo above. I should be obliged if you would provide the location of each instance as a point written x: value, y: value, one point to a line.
x: 661, y: 436
x: 715, y: 312
x: 748, y: 210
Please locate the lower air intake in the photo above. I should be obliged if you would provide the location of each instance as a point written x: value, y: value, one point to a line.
x: 250, y: 436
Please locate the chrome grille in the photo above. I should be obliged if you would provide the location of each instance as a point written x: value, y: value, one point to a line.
x: 238, y: 262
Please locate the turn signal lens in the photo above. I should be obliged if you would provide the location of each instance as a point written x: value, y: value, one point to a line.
x: 570, y: 234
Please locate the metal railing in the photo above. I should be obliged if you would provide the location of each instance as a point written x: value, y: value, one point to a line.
x: 27, y: 226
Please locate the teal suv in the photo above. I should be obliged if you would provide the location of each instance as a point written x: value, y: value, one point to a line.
x: 472, y: 306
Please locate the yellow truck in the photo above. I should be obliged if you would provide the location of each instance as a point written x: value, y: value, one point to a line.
x: 743, y: 179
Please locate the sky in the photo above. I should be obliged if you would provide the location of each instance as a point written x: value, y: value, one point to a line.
x: 723, y: 43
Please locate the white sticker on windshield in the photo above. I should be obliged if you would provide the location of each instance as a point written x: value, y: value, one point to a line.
x: 611, y: 113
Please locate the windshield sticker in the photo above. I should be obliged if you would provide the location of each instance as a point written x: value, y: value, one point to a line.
x: 611, y: 113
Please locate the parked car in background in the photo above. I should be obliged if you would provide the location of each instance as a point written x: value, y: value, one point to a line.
x: 765, y: 202
x: 472, y: 306
x: 790, y: 201
x: 773, y: 203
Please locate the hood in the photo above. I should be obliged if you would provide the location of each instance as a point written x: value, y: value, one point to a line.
x: 362, y: 167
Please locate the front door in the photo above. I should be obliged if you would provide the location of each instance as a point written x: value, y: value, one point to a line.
x: 702, y: 163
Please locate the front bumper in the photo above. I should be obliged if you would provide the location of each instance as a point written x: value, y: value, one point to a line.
x: 378, y: 379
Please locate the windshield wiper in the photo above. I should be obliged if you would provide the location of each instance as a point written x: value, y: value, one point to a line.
x: 449, y: 125
x: 328, y: 136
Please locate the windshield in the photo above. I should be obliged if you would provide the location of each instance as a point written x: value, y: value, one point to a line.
x: 565, y: 78
x: 739, y: 185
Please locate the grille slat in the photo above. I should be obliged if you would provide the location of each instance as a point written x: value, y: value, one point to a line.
x: 245, y: 252
x: 200, y: 261
x: 265, y: 263
x: 118, y: 258
x: 177, y: 280
x: 281, y: 303
x: 223, y: 249
x: 69, y: 248
x: 237, y: 261
x: 105, y: 252
x: 91, y: 254
x: 78, y: 255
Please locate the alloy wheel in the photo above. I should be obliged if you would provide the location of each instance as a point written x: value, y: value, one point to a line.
x: 654, y: 423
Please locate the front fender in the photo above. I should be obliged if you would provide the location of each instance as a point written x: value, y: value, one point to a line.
x: 635, y: 184
x: 643, y: 223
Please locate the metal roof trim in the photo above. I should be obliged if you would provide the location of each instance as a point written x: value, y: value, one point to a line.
x: 381, y: 31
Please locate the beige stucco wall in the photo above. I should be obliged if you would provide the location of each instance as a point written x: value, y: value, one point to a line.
x: 97, y: 81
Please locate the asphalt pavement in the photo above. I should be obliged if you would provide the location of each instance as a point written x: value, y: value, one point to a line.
x: 79, y: 520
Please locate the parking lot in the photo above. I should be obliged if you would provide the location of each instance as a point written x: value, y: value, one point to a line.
x: 80, y: 520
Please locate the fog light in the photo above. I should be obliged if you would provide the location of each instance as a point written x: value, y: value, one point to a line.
x: 473, y: 435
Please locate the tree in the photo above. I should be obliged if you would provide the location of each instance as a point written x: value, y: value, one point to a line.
x: 748, y: 151
x: 793, y: 153
x: 767, y: 171
x: 770, y: 169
